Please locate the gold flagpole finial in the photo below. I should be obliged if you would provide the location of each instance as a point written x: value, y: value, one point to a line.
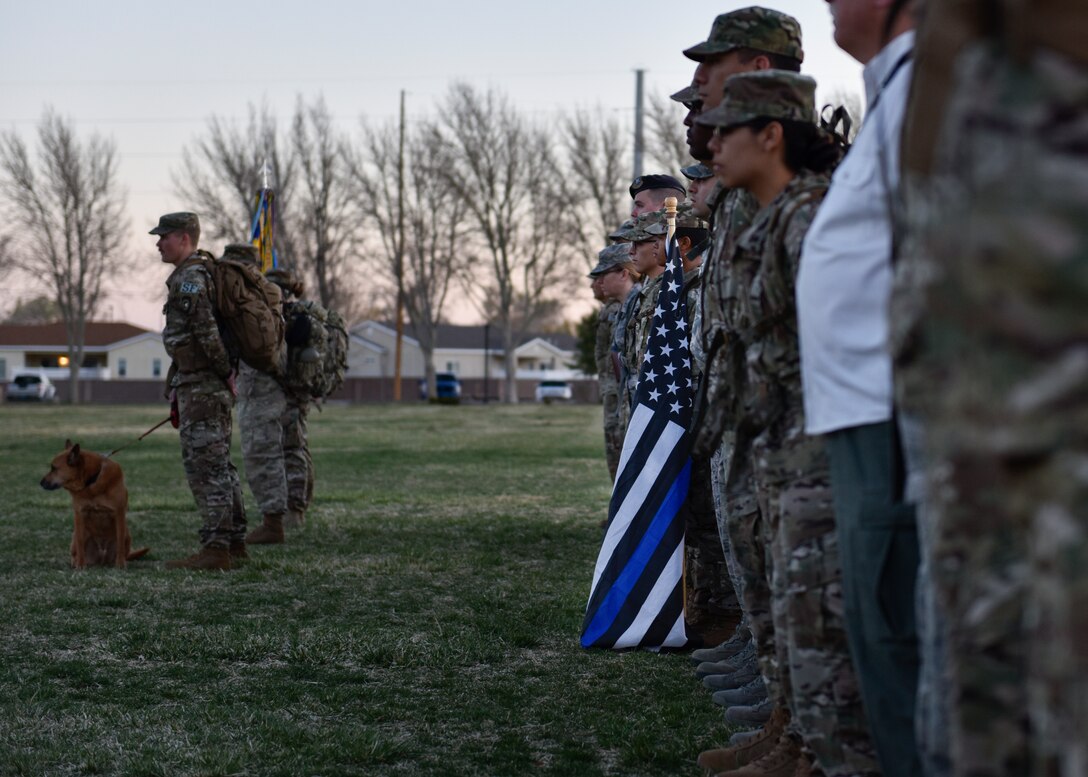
x: 670, y: 215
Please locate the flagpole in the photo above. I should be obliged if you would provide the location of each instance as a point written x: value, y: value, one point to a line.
x: 670, y: 216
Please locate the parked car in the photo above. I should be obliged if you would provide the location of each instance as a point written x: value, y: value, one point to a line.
x: 447, y: 388
x: 31, y: 387
x: 554, y: 391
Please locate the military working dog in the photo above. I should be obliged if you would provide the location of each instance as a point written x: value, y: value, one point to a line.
x: 100, y: 502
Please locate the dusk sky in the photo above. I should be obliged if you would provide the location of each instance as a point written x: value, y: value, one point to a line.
x: 149, y: 74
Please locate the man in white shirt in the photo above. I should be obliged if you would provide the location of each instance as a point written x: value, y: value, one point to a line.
x: 842, y: 299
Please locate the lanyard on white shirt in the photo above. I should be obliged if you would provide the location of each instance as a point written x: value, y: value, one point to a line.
x: 893, y: 223
x: 904, y: 58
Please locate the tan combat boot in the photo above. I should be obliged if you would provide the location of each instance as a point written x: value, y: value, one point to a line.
x: 726, y: 758
x: 206, y: 559
x: 804, y: 768
x: 780, y: 762
x: 238, y: 551
x: 268, y: 533
x: 294, y: 519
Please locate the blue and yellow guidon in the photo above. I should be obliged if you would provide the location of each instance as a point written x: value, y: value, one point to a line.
x: 263, y: 228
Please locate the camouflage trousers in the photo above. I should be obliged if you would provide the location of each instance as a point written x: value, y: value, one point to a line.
x: 261, y: 406
x: 613, y: 428
x: 931, y: 706
x: 298, y: 463
x: 1006, y: 223
x: 205, y: 430
x: 711, y: 609
x: 751, y: 557
x: 719, y: 463
x: 812, y: 653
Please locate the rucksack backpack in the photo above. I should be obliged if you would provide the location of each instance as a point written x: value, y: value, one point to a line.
x: 248, y: 308
x: 317, y: 349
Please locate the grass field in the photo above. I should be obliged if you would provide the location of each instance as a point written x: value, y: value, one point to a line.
x: 425, y: 621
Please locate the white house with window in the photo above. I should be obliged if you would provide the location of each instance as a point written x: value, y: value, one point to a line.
x: 465, y: 350
x: 111, y: 351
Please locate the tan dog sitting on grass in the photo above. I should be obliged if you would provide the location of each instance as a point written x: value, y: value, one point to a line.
x: 100, y: 501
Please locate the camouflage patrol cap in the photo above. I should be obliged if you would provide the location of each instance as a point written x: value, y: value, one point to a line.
x: 281, y: 276
x: 751, y: 28
x: 243, y: 252
x: 686, y: 218
x: 689, y: 95
x: 649, y: 225
x: 173, y: 222
x: 772, y: 94
x: 609, y: 259
x: 624, y: 231
x: 697, y: 172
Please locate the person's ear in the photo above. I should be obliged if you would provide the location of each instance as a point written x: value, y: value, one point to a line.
x: 771, y: 136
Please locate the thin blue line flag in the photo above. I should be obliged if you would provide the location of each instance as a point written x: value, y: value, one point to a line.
x: 637, y: 596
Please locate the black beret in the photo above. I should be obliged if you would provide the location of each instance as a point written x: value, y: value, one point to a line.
x: 644, y: 182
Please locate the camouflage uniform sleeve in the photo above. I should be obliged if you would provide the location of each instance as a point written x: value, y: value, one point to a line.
x: 203, y: 328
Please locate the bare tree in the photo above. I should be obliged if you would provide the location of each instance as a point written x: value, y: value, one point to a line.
x: 328, y: 236
x: 67, y: 218
x: 596, y: 149
x: 505, y: 176
x: 426, y: 265
x: 41, y: 309
x: 668, y: 145
x: 222, y: 173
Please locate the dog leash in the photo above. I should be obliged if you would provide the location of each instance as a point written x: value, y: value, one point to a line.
x: 149, y: 431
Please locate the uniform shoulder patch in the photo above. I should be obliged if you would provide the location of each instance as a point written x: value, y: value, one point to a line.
x: 188, y: 287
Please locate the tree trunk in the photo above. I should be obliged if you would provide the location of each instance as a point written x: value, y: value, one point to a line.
x: 510, y: 364
x: 429, y: 371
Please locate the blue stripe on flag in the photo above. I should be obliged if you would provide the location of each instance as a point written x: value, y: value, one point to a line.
x: 626, y: 580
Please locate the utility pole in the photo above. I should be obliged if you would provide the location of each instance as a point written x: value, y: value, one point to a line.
x: 400, y: 258
x: 638, y: 123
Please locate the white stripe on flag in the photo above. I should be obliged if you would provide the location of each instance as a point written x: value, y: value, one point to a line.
x: 647, y: 476
x: 640, y: 419
x: 656, y: 599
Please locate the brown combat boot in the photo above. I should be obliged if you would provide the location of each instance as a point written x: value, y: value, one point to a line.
x: 206, y: 559
x: 725, y: 758
x: 268, y: 533
x: 780, y: 762
x: 294, y: 519
x: 804, y: 767
x: 238, y: 551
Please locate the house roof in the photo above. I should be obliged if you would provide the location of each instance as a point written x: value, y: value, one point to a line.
x: 472, y: 337
x: 98, y: 334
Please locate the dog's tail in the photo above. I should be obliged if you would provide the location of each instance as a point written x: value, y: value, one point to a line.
x: 138, y: 553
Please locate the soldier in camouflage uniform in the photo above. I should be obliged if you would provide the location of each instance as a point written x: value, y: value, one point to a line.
x: 262, y: 402
x: 990, y: 305
x: 298, y: 463
x: 741, y: 41
x: 609, y: 260
x: 711, y: 608
x: 647, y: 255
x: 201, y: 379
x: 766, y: 134
x: 628, y: 308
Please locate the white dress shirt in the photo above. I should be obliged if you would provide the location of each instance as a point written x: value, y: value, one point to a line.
x: 844, y: 283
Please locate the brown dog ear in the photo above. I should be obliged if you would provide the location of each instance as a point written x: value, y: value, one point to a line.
x: 73, y: 456
x: 67, y: 444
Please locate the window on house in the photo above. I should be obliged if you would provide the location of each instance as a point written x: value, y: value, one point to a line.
x: 122, y: 367
x: 156, y: 368
x: 3, y: 369
x: 453, y: 367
